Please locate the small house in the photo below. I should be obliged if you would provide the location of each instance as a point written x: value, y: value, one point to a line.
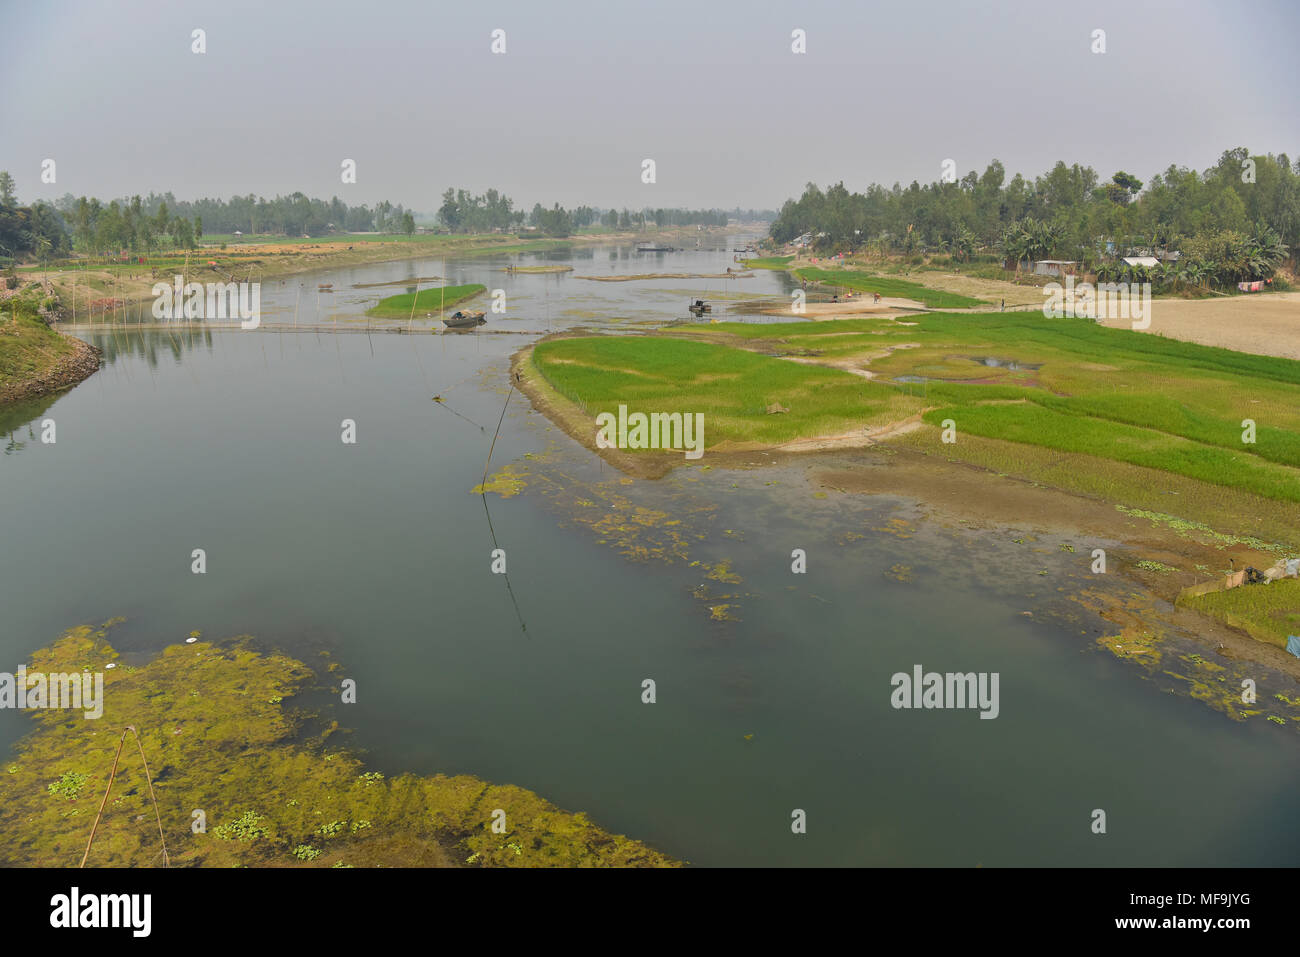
x: 1055, y: 267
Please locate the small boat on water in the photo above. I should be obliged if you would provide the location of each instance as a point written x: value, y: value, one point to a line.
x: 654, y: 248
x: 699, y: 307
x: 464, y: 320
x: 326, y: 287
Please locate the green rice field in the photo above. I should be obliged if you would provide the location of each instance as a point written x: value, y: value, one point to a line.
x: 899, y: 288
x: 1121, y: 404
x: 435, y: 299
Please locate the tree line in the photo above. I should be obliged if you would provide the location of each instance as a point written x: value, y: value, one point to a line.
x: 143, y: 224
x: 1235, y: 221
x: 464, y: 212
x: 34, y: 230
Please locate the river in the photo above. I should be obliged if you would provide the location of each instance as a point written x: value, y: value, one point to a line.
x: 378, y: 553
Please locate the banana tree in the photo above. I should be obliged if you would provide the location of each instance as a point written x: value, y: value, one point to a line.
x: 963, y: 243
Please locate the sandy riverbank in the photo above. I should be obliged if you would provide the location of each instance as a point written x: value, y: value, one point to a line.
x: 1262, y: 324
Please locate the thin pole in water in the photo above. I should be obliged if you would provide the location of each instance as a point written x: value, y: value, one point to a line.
x: 492, y: 531
x: 414, y: 299
x: 488, y: 463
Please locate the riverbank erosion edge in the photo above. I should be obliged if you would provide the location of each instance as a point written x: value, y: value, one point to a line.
x: 52, y: 372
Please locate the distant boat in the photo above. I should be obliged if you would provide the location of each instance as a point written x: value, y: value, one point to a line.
x: 654, y: 248
x: 464, y: 320
x: 326, y: 287
x: 699, y: 308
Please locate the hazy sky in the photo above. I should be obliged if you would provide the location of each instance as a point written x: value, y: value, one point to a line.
x: 586, y: 90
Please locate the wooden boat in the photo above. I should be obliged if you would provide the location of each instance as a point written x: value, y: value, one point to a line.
x: 326, y: 287
x: 653, y: 248
x: 699, y: 308
x: 464, y: 320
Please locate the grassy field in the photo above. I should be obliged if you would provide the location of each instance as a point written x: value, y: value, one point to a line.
x: 1108, y: 393
x: 27, y: 347
x: 768, y: 262
x: 1134, y: 419
x: 435, y: 299
x: 1268, y: 612
x: 732, y: 387
x: 898, y: 288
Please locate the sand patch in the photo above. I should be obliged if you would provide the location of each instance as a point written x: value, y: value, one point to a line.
x: 1266, y: 325
x: 856, y: 308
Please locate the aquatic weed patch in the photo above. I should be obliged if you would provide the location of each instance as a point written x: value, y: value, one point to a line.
x: 270, y: 785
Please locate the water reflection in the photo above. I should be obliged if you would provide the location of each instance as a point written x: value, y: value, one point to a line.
x: 18, y: 421
x: 121, y: 342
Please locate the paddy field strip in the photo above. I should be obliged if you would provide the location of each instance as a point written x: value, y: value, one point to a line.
x: 1128, y: 417
x: 1268, y: 613
x: 436, y: 298
x: 768, y: 262
x: 893, y: 288
x: 732, y: 387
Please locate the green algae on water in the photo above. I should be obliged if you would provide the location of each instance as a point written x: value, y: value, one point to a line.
x: 244, y: 778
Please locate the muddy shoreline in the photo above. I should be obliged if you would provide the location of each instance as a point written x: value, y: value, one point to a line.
x: 949, y: 491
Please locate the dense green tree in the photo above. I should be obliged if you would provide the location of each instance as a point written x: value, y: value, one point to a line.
x: 1066, y: 213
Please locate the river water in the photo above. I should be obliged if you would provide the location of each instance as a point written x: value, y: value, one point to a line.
x: 378, y: 553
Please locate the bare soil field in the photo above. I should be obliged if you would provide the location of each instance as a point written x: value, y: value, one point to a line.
x: 853, y: 308
x: 1266, y: 325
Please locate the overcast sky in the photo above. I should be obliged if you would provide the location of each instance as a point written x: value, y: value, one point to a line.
x: 586, y: 90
